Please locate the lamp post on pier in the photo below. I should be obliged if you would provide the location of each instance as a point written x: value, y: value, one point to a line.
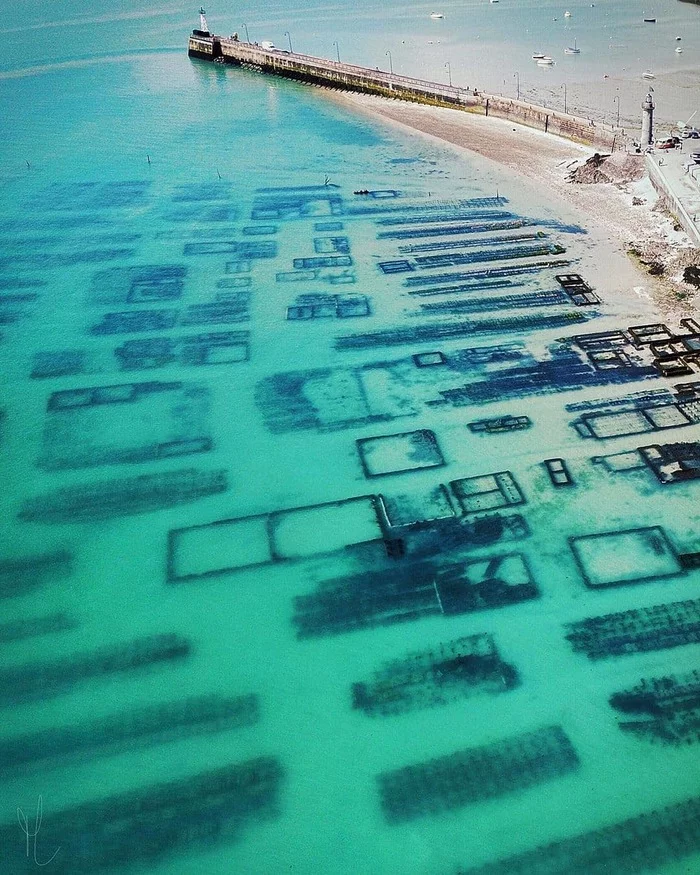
x: 617, y: 98
x: 564, y: 87
x: 247, y: 35
x: 517, y: 85
x: 391, y: 63
x: 449, y: 72
x: 337, y: 49
x: 287, y: 34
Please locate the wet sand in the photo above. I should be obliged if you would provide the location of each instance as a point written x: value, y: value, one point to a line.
x: 615, y: 225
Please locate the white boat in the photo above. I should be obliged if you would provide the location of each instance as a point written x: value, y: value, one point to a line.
x: 436, y: 15
x: 545, y: 62
x: 567, y: 14
x: 537, y: 56
x: 493, y: 1
x: 572, y: 50
x: 647, y: 74
x: 679, y: 51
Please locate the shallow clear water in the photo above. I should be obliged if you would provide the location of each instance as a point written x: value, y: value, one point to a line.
x: 91, y: 228
x: 477, y: 44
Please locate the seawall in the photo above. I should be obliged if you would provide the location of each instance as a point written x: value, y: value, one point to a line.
x: 672, y: 200
x: 320, y: 71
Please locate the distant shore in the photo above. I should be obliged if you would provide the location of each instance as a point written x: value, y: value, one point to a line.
x: 613, y: 221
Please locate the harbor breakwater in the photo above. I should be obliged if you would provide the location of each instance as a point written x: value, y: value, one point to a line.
x: 319, y: 71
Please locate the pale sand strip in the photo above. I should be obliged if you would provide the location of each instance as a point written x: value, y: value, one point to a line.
x: 544, y: 161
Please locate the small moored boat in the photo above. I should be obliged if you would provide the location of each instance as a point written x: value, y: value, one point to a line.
x: 545, y: 62
x: 436, y: 15
x: 647, y: 74
x: 537, y: 56
x: 572, y: 50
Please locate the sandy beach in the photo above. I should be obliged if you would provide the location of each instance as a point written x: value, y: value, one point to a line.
x: 622, y: 217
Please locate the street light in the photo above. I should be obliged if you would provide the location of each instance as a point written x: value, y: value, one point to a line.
x: 337, y: 49
x: 517, y: 81
x: 247, y: 37
x: 617, y: 98
x: 391, y: 65
x: 564, y: 87
x: 287, y: 34
x: 449, y: 71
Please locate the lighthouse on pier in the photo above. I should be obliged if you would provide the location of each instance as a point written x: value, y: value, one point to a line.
x: 647, y: 121
x: 203, y: 26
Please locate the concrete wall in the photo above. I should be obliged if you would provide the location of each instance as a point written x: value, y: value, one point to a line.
x: 200, y: 48
x: 347, y: 76
x: 580, y: 130
x: 671, y: 201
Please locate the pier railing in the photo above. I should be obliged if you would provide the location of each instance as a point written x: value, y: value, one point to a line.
x: 321, y: 64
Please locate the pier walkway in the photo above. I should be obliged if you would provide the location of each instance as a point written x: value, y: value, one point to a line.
x: 678, y: 182
x: 321, y: 71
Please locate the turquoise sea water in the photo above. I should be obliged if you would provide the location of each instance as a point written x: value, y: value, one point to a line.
x: 477, y: 44
x: 206, y: 436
